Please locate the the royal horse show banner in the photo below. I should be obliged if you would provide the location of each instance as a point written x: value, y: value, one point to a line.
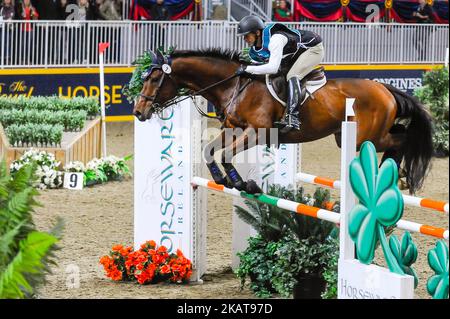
x: 71, y: 82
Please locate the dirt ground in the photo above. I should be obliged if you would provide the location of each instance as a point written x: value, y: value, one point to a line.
x: 98, y: 217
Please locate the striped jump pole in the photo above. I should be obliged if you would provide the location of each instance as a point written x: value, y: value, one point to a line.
x: 312, y: 211
x: 271, y: 200
x: 409, y: 200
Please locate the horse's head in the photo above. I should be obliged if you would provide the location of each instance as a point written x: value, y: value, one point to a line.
x: 158, y: 88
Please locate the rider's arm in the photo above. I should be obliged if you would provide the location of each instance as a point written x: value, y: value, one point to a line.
x: 276, y: 45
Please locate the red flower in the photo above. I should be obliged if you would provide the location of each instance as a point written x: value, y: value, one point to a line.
x: 117, y: 247
x: 141, y: 265
x: 161, y: 249
x: 165, y: 269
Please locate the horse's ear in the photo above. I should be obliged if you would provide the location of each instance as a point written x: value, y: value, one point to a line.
x: 153, y: 57
x: 171, y: 49
x: 159, y: 56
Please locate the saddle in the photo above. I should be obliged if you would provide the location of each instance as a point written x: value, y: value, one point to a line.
x: 313, y: 81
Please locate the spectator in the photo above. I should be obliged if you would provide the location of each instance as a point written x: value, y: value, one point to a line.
x: 423, y: 12
x: 27, y: 12
x: 111, y: 10
x: 85, y: 11
x: 159, y: 12
x: 220, y: 12
x: 49, y: 10
x: 282, y: 11
x: 7, y: 14
x: 422, y: 15
x: 7, y: 11
x: 77, y: 32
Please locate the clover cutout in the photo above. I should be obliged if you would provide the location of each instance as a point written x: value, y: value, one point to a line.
x: 437, y: 285
x: 405, y: 254
x: 380, y: 205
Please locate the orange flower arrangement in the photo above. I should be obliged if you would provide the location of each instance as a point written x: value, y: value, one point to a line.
x: 149, y: 264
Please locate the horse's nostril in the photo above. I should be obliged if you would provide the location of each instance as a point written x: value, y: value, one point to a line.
x: 137, y: 113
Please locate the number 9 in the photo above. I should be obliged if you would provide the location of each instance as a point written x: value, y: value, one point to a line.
x: 73, y: 180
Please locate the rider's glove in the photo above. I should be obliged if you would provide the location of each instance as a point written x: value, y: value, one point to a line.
x: 241, y: 70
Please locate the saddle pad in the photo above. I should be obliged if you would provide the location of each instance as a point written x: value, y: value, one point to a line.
x: 311, y: 87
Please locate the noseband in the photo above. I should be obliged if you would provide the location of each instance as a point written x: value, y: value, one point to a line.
x: 153, y: 97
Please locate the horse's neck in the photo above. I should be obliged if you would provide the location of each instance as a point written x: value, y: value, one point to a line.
x: 196, y: 73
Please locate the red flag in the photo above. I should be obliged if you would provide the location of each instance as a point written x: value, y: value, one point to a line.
x: 102, y: 46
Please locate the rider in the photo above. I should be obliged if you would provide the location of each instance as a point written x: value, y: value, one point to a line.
x: 274, y: 44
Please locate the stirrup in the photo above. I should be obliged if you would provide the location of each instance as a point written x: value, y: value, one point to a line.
x: 288, y: 128
x: 288, y: 124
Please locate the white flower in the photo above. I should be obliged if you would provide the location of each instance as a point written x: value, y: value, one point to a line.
x: 75, y: 166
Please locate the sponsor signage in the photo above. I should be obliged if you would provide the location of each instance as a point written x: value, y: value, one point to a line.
x: 85, y: 82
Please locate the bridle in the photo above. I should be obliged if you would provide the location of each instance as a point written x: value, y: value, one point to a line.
x: 166, y: 70
x: 153, y: 97
x: 165, y: 67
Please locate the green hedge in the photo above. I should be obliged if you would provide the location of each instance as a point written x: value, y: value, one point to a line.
x: 34, y: 134
x: 52, y: 103
x: 40, y: 121
x: 70, y: 120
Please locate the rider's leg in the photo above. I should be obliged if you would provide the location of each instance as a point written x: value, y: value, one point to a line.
x: 291, y: 119
x: 305, y: 63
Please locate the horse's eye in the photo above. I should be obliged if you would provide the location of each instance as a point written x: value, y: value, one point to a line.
x: 154, y: 80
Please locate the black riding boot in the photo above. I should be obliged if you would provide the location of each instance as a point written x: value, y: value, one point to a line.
x: 291, y: 119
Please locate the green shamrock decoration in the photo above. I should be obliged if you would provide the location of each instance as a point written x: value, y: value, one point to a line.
x: 405, y: 254
x: 437, y: 285
x: 380, y: 205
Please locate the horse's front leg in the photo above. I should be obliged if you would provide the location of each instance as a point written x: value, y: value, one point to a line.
x: 244, y: 141
x: 217, y: 143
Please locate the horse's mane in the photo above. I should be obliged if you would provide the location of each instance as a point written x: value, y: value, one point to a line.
x: 223, y: 54
x: 226, y: 55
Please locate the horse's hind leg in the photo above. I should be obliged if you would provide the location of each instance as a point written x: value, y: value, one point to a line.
x: 394, y: 146
x: 244, y: 141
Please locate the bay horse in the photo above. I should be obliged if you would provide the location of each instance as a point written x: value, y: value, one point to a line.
x: 396, y: 123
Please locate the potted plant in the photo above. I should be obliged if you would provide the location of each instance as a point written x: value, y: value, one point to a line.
x: 434, y: 94
x: 300, y: 266
x: 291, y: 252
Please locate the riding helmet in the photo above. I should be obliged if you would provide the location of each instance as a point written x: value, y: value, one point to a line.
x: 249, y: 24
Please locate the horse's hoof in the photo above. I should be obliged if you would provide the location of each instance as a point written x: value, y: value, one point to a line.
x: 402, y: 185
x: 224, y: 182
x: 253, y: 188
x: 241, y: 186
x: 228, y: 182
x: 402, y: 173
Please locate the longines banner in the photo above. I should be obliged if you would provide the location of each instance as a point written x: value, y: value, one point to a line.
x: 85, y: 82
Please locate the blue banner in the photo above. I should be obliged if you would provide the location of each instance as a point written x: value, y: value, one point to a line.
x: 85, y: 82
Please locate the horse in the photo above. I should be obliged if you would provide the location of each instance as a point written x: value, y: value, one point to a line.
x: 396, y: 123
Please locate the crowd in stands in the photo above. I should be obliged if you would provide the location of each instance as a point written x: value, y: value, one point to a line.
x: 401, y: 11
x: 61, y: 9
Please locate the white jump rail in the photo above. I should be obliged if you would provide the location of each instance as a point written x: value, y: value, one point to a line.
x: 314, y: 211
x: 409, y: 200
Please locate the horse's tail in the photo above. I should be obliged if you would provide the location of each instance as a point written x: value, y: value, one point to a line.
x: 418, y: 149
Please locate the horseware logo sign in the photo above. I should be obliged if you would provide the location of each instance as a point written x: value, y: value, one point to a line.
x: 166, y: 68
